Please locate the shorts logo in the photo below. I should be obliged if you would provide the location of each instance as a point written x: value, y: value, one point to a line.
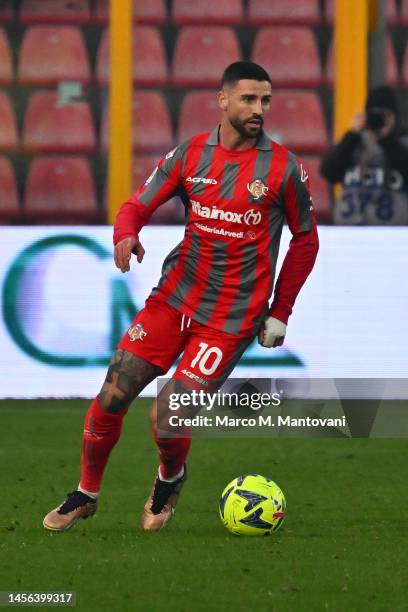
x: 257, y: 189
x: 194, y: 377
x: 137, y: 332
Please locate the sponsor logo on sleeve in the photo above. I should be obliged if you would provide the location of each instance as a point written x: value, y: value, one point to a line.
x: 303, y: 174
x: 171, y: 153
x: 151, y: 177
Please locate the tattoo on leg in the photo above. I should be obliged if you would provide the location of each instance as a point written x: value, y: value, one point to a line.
x: 127, y: 376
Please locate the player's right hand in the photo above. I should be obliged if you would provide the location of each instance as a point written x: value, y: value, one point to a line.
x: 123, y: 252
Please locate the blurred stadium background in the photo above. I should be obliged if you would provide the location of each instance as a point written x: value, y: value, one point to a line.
x: 65, y: 168
x: 94, y: 93
x: 55, y: 74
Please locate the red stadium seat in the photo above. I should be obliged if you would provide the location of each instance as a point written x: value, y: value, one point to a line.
x: 404, y: 74
x: 8, y: 128
x: 172, y: 211
x: 296, y: 120
x: 9, y: 208
x: 201, y: 55
x: 149, y: 60
x: 151, y: 12
x: 60, y: 189
x: 289, y: 55
x: 55, y: 11
x: 211, y: 12
x: 49, y: 127
x: 143, y: 166
x: 199, y: 112
x: 284, y: 12
x: 6, y: 67
x: 151, y: 124
x: 6, y: 11
x: 319, y: 189
x: 391, y: 12
x: 52, y: 54
x: 391, y: 68
x: 404, y: 13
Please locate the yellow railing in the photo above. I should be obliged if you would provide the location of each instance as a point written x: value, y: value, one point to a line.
x: 120, y: 106
x: 350, y: 61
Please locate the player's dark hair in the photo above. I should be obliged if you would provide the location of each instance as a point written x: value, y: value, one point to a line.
x: 243, y: 70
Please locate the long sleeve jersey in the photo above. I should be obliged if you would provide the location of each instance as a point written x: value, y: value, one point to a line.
x: 222, y: 272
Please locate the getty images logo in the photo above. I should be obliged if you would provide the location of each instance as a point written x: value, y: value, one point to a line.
x: 251, y: 216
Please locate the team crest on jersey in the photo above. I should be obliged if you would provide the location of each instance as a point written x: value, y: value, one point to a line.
x: 257, y: 189
x: 137, y: 332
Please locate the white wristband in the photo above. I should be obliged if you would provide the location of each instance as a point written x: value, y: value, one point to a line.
x: 274, y: 332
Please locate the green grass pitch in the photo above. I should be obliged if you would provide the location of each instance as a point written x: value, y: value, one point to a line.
x: 342, y: 546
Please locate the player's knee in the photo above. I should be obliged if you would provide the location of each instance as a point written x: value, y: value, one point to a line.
x: 113, y: 405
x: 121, y: 384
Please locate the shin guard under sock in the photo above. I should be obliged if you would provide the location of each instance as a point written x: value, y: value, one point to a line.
x: 173, y: 453
x: 101, y: 432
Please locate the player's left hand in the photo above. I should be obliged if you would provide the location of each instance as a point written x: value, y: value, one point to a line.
x: 273, y: 333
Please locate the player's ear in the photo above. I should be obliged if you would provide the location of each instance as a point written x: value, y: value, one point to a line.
x: 222, y: 100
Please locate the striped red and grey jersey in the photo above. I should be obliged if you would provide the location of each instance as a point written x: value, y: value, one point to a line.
x: 222, y: 272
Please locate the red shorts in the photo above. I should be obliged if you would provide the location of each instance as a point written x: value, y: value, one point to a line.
x: 160, y: 333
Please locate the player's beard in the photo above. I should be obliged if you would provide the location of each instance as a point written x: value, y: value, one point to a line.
x: 245, y: 130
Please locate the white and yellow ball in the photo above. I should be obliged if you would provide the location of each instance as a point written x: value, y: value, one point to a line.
x: 252, y: 505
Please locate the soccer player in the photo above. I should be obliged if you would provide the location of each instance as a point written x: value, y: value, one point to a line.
x: 238, y: 187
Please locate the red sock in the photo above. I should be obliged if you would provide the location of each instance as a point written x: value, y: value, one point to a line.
x: 101, y: 432
x: 172, y: 453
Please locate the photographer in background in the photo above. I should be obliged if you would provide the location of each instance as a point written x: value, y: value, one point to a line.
x: 371, y: 162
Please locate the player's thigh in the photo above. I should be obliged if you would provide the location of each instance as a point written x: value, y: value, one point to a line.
x: 162, y: 409
x: 147, y: 350
x: 208, y: 359
x: 157, y: 334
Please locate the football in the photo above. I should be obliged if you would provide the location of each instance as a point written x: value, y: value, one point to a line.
x: 252, y: 505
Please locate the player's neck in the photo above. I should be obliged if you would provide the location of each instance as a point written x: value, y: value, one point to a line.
x: 229, y: 138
